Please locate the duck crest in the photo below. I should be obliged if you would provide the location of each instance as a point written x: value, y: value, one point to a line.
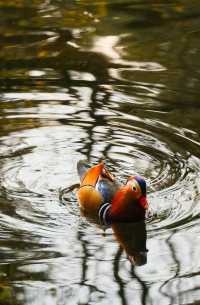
x: 142, y: 184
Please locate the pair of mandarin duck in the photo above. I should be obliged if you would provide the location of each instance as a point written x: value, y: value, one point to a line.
x: 101, y: 197
x: 122, y: 207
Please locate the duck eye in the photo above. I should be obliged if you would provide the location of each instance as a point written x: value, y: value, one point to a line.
x: 134, y: 188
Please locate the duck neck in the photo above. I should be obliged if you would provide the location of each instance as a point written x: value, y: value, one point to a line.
x: 124, y: 208
x: 107, y: 216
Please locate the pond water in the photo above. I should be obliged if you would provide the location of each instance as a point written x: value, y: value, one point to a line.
x: 113, y: 80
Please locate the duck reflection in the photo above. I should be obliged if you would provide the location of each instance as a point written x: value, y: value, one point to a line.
x: 131, y: 237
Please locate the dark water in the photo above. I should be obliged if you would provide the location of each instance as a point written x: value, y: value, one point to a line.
x: 118, y: 80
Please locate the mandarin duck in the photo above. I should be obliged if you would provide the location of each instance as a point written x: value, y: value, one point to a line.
x: 101, y: 197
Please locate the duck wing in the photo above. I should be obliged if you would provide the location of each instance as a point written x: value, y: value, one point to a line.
x: 100, y: 178
x: 107, y: 188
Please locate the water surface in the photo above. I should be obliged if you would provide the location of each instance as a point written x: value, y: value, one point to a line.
x: 113, y: 80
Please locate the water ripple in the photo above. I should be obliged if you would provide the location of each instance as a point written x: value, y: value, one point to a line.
x: 114, y: 81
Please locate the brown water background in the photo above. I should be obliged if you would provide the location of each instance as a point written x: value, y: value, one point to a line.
x: 118, y: 80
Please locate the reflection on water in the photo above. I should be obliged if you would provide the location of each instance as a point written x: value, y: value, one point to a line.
x: 117, y: 80
x: 132, y: 238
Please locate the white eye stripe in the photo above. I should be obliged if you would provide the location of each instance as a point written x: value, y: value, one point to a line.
x: 135, y: 187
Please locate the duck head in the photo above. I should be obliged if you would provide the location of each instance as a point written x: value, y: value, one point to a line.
x: 129, y: 203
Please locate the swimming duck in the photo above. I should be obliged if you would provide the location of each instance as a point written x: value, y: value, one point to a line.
x: 102, y: 197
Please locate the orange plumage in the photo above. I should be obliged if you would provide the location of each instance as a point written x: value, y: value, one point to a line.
x: 101, y: 196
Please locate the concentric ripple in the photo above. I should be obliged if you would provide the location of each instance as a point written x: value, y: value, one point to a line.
x: 112, y: 80
x: 157, y: 152
x: 36, y: 172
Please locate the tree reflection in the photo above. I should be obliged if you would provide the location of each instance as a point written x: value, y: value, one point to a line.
x: 119, y: 281
x: 48, y: 46
x: 84, y: 264
x: 166, y: 292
